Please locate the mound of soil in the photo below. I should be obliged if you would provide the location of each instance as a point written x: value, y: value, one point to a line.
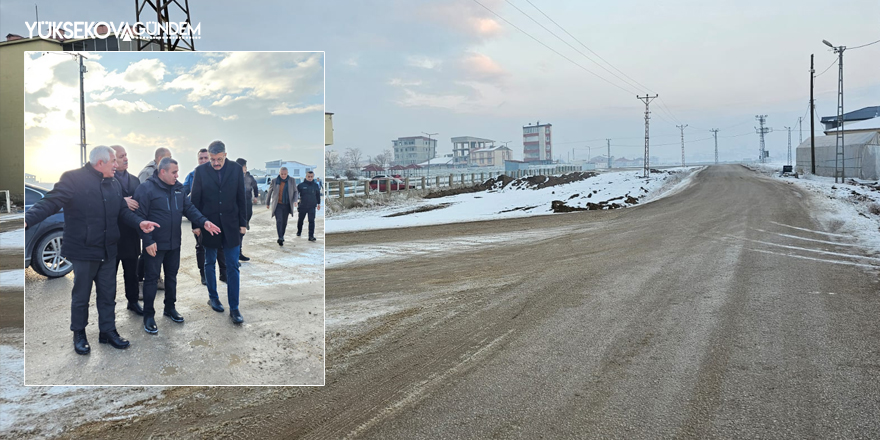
x: 419, y: 209
x: 493, y: 183
x: 501, y: 182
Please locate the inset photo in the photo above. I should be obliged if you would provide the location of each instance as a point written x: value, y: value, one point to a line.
x: 174, y: 227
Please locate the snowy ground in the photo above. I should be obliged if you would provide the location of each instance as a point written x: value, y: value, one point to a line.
x: 511, y: 201
x: 843, y: 208
x: 12, y: 241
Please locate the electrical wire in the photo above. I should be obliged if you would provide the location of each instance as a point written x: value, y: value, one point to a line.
x: 859, y: 47
x: 826, y: 69
x: 551, y: 49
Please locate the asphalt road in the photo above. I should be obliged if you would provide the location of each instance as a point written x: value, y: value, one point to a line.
x: 706, y: 314
x: 280, y: 343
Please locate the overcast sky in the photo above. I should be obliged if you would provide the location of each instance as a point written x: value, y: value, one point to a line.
x: 398, y: 67
x: 263, y: 106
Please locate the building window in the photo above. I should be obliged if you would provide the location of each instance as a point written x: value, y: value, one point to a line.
x: 296, y: 172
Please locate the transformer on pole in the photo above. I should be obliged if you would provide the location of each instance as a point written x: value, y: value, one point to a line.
x: 647, y: 100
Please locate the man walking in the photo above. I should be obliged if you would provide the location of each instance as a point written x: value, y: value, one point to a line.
x: 128, y: 250
x: 280, y: 200
x: 200, y: 250
x: 309, y: 200
x: 161, y: 200
x: 251, y: 196
x: 218, y: 193
x: 93, y: 206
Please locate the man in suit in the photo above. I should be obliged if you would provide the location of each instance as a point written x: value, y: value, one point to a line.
x: 93, y: 207
x: 218, y: 193
x: 145, y: 174
x: 280, y: 200
x: 128, y: 249
x: 161, y: 200
x: 200, y: 250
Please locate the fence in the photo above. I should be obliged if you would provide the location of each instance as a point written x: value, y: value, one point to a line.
x: 424, y: 184
x: 8, y: 201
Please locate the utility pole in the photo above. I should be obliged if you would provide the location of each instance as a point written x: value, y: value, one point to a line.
x: 762, y: 131
x: 647, y: 100
x: 609, y: 153
x: 682, y: 142
x: 812, y: 120
x: 839, y: 161
x: 800, y: 131
x: 82, y: 113
x: 431, y: 151
x: 789, y: 144
x: 715, y: 133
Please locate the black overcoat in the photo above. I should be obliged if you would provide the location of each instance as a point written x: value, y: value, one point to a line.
x: 223, y: 203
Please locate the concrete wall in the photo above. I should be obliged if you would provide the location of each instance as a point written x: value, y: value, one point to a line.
x: 12, y: 112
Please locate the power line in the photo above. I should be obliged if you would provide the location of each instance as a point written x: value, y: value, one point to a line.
x: 859, y: 47
x: 826, y: 69
x: 585, y: 47
x: 548, y: 47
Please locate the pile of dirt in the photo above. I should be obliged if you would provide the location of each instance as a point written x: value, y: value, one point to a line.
x: 628, y: 200
x: 541, y: 182
x: 419, y: 209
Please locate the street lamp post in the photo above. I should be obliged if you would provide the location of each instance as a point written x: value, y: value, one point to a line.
x: 839, y: 160
x: 431, y: 153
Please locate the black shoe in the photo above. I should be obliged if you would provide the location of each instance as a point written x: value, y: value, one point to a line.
x: 171, y: 313
x: 112, y: 337
x: 313, y: 239
x: 299, y: 234
x: 204, y: 280
x: 280, y: 242
x: 80, y: 343
x: 135, y: 307
x: 236, y: 316
x: 150, y: 325
x: 215, y: 304
x: 241, y: 257
x: 223, y: 278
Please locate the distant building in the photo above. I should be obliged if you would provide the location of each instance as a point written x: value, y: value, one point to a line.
x: 414, y: 150
x: 860, y: 151
x: 864, y: 126
x: 623, y: 162
x: 515, y: 165
x: 328, y: 128
x: 463, y: 146
x: 851, y: 117
x: 537, y: 146
x: 490, y: 157
x: 295, y: 169
x: 438, y: 163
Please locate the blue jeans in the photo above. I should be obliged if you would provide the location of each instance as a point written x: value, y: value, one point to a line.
x: 232, y: 277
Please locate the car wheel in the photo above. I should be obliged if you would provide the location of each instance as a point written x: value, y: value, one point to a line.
x: 46, y: 258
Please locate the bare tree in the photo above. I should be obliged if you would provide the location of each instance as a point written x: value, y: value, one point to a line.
x: 384, y: 159
x: 353, y: 158
x: 332, y: 161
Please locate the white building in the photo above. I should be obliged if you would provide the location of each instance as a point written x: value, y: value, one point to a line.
x: 414, y: 150
x: 295, y: 169
x: 490, y: 157
x: 463, y: 146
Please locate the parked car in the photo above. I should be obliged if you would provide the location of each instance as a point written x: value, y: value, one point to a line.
x: 42, y: 242
x: 382, y: 183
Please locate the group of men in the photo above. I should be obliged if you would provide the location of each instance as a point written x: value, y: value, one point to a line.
x: 111, y: 216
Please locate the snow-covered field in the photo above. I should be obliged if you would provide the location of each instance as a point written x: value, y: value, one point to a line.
x: 12, y: 241
x: 843, y: 208
x: 512, y: 201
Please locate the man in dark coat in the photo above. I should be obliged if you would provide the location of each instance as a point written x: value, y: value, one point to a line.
x: 93, y: 207
x: 200, y: 250
x: 218, y: 193
x: 251, y: 196
x: 161, y: 199
x: 309, y: 200
x: 128, y: 250
x: 280, y: 200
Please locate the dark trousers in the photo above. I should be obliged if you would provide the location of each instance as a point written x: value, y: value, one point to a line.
x: 282, y: 211
x: 170, y: 260
x: 140, y: 267
x: 232, y: 275
x: 250, y: 213
x: 129, y: 274
x: 303, y: 211
x: 200, y: 257
x: 103, y: 275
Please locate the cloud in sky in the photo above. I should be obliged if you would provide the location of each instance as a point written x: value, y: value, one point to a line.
x: 130, y: 101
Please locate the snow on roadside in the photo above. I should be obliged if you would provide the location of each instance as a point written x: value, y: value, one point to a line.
x: 30, y: 412
x: 12, y: 241
x: 842, y: 208
x: 512, y: 202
